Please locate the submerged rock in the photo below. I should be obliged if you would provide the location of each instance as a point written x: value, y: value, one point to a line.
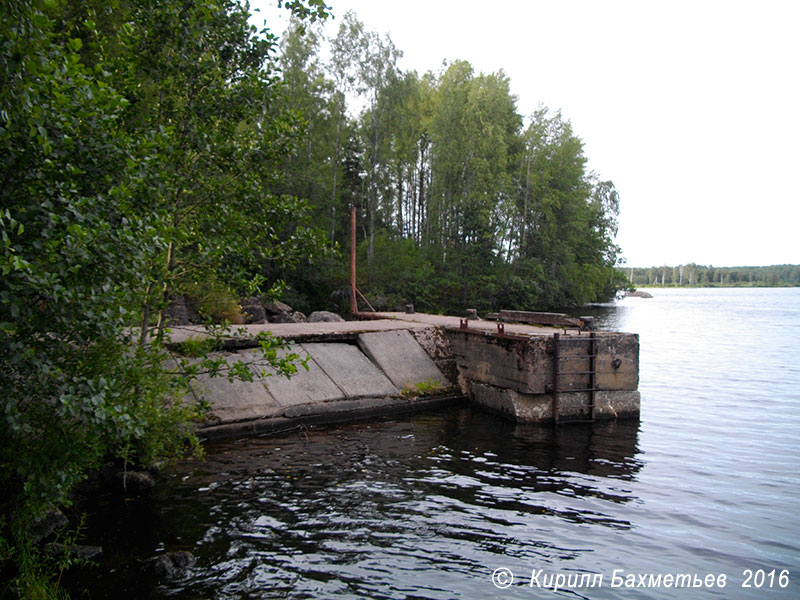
x: 639, y: 294
x: 136, y: 481
x: 126, y: 481
x: 173, y: 564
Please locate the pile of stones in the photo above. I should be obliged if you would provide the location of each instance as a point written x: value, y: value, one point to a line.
x: 279, y: 312
x: 181, y: 312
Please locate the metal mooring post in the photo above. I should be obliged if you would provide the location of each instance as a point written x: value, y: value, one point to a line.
x: 556, y: 365
x: 592, y: 373
x: 353, y: 300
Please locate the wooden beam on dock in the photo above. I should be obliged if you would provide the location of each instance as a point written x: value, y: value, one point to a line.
x: 540, y: 318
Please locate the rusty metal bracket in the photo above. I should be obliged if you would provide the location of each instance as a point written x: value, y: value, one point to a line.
x: 501, y: 333
x: 463, y: 324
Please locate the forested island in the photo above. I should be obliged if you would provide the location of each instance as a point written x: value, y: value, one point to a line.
x: 692, y: 275
x: 150, y: 149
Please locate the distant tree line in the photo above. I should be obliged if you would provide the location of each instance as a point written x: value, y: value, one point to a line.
x: 709, y: 276
x: 461, y: 201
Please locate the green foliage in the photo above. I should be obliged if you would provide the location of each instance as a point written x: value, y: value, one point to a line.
x: 401, y: 272
x: 214, y: 301
x: 195, y: 346
x: 421, y: 388
x: 139, y: 149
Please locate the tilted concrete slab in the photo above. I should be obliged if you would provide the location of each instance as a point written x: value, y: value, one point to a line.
x: 326, y: 413
x: 303, y: 387
x: 401, y: 358
x: 234, y: 400
x: 350, y: 370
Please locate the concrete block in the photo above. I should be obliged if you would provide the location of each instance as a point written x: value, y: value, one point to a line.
x: 536, y: 408
x: 525, y: 365
x: 617, y: 404
x: 508, y: 403
x: 350, y: 370
x: 304, y: 387
x: 436, y: 344
x: 520, y: 364
x: 618, y: 361
x: 401, y: 358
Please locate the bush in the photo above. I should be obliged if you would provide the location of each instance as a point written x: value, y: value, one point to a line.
x: 214, y: 301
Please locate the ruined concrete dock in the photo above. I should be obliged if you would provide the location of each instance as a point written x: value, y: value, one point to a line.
x: 399, y: 362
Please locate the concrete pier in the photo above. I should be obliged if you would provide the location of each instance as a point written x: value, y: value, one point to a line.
x: 400, y: 362
x: 516, y: 375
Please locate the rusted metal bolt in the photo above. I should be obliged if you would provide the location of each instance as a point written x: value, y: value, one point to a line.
x: 616, y: 363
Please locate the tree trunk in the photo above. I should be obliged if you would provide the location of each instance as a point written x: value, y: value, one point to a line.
x: 162, y: 317
x: 335, y: 176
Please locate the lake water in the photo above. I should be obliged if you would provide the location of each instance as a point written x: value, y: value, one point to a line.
x: 432, y: 505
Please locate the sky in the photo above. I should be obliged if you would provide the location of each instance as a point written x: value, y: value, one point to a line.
x: 691, y: 108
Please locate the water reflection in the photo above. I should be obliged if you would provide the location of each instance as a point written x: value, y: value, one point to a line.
x: 377, y: 510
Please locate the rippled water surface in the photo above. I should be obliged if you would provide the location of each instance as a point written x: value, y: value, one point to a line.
x: 430, y: 505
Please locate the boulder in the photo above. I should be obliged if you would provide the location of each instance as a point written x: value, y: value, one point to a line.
x: 283, y: 317
x: 181, y: 312
x: 136, y: 481
x: 380, y: 303
x: 324, y: 316
x: 299, y: 317
x: 127, y: 481
x: 340, y: 300
x: 52, y: 520
x: 276, y: 307
x: 253, y: 311
x: 56, y: 550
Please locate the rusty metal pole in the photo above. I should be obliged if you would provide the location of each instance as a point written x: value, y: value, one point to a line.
x: 353, y: 301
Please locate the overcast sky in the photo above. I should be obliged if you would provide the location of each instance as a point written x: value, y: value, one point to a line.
x: 692, y: 108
